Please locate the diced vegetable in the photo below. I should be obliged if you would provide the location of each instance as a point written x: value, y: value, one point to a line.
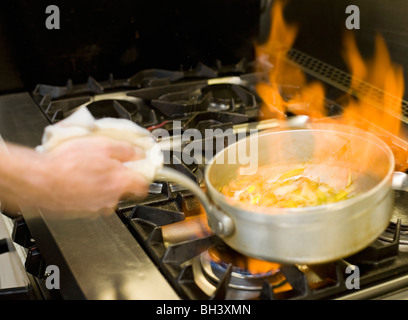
x: 291, y: 189
x: 292, y: 173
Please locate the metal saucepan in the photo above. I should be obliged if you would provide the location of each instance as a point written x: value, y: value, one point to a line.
x: 307, y: 235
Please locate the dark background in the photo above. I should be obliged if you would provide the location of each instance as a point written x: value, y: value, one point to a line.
x: 122, y: 37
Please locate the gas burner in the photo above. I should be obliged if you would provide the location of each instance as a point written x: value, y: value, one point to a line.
x: 241, y: 277
x: 214, y: 120
x: 246, y: 275
x: 240, y: 67
x: 229, y: 97
x: 215, y: 98
x: 201, y: 121
x: 115, y: 105
x: 154, y: 77
x: 176, y: 104
x: 158, y: 77
x: 135, y: 111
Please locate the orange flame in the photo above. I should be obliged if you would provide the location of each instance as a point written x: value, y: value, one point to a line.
x: 271, y: 56
x: 383, y: 108
x: 252, y: 265
x: 284, y: 76
x: 378, y: 88
x: 373, y: 102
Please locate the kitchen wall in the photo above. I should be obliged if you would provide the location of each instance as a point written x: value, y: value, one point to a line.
x: 98, y: 37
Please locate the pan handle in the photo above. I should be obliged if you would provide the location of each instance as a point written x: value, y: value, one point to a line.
x: 400, y: 181
x: 219, y: 222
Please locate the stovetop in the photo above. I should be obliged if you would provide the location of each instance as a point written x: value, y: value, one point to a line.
x: 186, y: 261
x: 166, y: 231
x: 153, y: 96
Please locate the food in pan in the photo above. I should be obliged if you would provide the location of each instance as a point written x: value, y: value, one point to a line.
x: 291, y: 189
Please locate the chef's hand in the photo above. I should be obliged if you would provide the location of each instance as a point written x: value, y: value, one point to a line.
x: 80, y: 175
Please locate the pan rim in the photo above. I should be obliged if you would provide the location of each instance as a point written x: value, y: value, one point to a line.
x: 218, y: 198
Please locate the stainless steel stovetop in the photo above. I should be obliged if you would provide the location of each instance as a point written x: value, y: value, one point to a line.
x: 128, y: 255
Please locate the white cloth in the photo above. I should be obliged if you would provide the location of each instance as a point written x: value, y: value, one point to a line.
x: 81, y: 123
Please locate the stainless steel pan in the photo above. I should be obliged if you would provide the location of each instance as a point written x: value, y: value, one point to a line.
x: 306, y: 235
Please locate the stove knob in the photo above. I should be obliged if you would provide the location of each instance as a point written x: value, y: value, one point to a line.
x: 4, y: 246
x: 35, y: 264
x: 21, y: 234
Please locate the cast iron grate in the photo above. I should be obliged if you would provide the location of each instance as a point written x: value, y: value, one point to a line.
x: 376, y: 263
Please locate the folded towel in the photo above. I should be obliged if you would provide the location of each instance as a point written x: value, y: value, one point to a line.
x: 81, y: 123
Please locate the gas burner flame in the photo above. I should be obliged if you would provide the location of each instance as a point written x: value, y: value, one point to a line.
x: 247, y: 273
x: 241, y: 264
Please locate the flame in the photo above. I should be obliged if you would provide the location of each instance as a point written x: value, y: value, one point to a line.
x: 372, y: 103
x: 284, y: 77
x: 353, y: 59
x: 383, y: 108
x: 271, y: 56
x: 252, y: 265
x: 379, y: 108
